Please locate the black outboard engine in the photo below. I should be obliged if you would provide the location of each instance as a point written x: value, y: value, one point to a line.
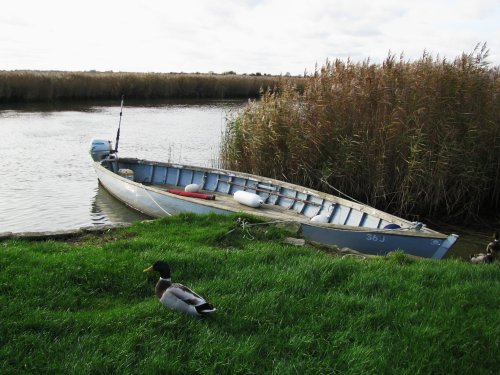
x: 101, y: 149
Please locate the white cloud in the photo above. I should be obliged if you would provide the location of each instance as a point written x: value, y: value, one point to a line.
x: 268, y: 36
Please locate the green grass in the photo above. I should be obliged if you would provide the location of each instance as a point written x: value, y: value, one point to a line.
x: 84, y: 306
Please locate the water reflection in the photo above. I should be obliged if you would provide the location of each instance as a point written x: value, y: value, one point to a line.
x: 98, y: 105
x: 106, y: 209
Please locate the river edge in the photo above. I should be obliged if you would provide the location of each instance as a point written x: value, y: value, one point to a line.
x: 62, y: 234
x: 468, y: 243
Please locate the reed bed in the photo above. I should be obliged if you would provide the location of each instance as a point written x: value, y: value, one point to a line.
x: 27, y: 86
x: 415, y: 138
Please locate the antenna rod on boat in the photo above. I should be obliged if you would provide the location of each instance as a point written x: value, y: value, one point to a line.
x: 119, y: 125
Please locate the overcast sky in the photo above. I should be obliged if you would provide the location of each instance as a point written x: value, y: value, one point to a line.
x: 245, y: 36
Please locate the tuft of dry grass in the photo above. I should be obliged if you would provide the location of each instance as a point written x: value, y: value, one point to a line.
x: 414, y: 138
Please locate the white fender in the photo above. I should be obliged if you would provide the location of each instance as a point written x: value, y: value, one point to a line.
x: 192, y: 188
x: 320, y: 219
x: 248, y: 199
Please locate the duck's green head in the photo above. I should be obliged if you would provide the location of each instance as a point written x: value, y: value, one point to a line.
x: 161, y: 267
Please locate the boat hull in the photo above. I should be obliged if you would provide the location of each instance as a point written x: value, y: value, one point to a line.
x: 380, y: 242
x: 350, y: 224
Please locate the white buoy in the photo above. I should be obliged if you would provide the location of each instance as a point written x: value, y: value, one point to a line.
x: 248, y: 199
x: 320, y: 219
x: 192, y: 188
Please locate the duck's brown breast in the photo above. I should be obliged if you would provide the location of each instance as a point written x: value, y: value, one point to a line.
x: 161, y: 286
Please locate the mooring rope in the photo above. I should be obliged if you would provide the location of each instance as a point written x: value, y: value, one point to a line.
x: 155, y: 202
x: 245, y: 225
x: 354, y: 255
x: 342, y: 193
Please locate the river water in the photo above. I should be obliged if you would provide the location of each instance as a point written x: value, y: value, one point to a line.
x: 47, y: 182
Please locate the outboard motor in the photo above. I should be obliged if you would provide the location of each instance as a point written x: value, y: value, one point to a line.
x: 100, y: 149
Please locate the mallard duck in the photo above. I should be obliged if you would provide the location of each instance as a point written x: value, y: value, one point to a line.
x: 177, y: 296
x: 492, y: 251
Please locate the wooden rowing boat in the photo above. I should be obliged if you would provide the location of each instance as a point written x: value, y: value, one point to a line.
x: 143, y: 185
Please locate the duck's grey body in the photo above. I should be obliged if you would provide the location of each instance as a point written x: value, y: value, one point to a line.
x: 180, y: 298
x: 482, y: 258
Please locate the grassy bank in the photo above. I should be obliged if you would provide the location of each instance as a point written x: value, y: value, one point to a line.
x: 28, y: 86
x: 84, y: 306
x: 414, y: 138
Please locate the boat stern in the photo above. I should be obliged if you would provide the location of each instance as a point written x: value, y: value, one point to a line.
x: 445, y: 246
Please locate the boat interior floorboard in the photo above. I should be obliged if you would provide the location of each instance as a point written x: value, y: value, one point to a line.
x: 226, y: 201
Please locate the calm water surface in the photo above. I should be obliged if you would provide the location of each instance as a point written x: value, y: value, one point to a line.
x: 47, y: 182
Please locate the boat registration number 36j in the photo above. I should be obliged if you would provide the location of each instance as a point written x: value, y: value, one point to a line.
x: 381, y: 238
x: 375, y: 237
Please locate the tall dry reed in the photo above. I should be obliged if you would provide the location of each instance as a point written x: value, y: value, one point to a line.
x: 22, y: 86
x: 415, y: 138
